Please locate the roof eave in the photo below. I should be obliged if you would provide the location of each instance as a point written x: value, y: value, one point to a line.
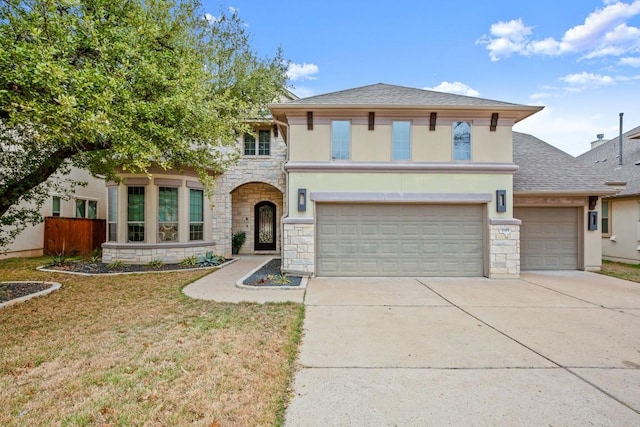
x: 566, y: 193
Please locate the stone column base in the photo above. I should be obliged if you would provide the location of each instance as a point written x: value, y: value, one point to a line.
x: 504, y: 249
x: 298, y: 254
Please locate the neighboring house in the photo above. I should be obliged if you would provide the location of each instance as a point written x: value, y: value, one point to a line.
x: 385, y: 180
x: 87, y: 202
x: 620, y: 212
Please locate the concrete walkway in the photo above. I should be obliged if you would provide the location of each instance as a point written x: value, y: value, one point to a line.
x: 550, y: 349
x: 221, y: 284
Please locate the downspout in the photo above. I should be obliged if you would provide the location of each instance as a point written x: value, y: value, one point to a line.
x: 620, y: 141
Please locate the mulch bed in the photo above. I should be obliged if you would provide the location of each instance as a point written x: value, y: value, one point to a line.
x: 272, y: 268
x: 13, y: 290
x: 102, y: 268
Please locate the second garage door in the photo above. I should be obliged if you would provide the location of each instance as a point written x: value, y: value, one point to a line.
x: 548, y: 238
x: 399, y: 240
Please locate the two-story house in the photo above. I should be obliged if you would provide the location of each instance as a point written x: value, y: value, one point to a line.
x: 379, y: 180
x: 385, y: 180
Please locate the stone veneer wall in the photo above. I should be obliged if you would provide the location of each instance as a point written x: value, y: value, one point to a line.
x: 299, y: 247
x: 243, y: 200
x: 142, y: 254
x: 258, y: 169
x: 504, y: 251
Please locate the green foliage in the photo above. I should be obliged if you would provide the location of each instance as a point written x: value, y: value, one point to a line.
x: 190, y: 261
x: 238, y: 239
x: 210, y: 260
x: 279, y: 279
x: 115, y: 264
x: 155, y: 263
x: 120, y: 85
x: 94, y: 257
x: 59, y: 260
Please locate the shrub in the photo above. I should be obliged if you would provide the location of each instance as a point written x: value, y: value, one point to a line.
x: 209, y: 259
x: 190, y: 261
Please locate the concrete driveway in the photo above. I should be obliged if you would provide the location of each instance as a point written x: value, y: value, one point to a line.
x: 549, y: 349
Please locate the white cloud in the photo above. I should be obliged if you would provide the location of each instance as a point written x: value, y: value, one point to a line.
x: 210, y: 18
x: 537, y: 97
x: 455, y: 87
x: 588, y: 79
x: 630, y: 61
x: 604, y: 33
x: 302, y: 71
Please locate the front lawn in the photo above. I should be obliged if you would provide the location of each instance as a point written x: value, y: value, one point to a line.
x: 133, y: 350
x: 621, y: 271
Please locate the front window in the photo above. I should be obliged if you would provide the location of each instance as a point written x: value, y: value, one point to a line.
x: 196, y: 214
x: 86, y: 209
x: 135, y: 214
x: 167, y: 214
x: 340, y: 139
x: 249, y: 145
x: 401, y: 140
x: 264, y: 142
x: 461, y: 140
x: 80, y: 208
x: 606, y: 213
x: 112, y: 215
x: 55, y: 206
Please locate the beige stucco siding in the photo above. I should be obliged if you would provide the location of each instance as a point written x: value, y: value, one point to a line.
x: 491, y: 146
x: 376, y: 145
x: 624, y: 220
x: 465, y: 183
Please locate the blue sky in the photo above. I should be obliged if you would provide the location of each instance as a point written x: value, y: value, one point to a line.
x: 578, y: 58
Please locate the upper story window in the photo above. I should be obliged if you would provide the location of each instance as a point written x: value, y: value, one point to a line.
x: 461, y: 140
x: 264, y: 143
x: 340, y: 139
x: 86, y: 208
x: 401, y: 140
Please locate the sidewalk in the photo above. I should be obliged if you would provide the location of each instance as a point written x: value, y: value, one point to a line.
x: 221, y: 284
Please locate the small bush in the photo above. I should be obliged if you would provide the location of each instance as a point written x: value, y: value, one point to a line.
x: 155, y: 263
x: 190, y: 261
x: 94, y: 257
x: 209, y: 259
x: 279, y: 279
x: 59, y: 260
x: 115, y: 264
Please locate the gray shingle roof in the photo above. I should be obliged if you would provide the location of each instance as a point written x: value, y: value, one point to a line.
x: 544, y: 168
x: 385, y: 94
x: 605, y: 159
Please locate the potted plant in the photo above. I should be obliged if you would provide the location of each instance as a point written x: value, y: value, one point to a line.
x: 237, y: 240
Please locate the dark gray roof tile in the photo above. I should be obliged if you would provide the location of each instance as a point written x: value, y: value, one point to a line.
x: 544, y: 168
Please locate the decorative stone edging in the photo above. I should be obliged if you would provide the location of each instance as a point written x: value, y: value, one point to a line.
x: 241, y: 285
x: 78, y: 273
x: 54, y: 287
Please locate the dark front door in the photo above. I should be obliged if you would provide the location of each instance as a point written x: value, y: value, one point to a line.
x: 265, y: 226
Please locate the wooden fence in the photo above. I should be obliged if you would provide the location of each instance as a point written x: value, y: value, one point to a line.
x: 73, y: 236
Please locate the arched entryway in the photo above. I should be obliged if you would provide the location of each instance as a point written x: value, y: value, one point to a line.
x: 265, y: 226
x: 256, y: 209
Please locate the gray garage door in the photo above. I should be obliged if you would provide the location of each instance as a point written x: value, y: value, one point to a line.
x: 548, y: 238
x: 399, y: 240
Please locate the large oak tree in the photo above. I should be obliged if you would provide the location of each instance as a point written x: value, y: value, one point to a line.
x: 109, y: 85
